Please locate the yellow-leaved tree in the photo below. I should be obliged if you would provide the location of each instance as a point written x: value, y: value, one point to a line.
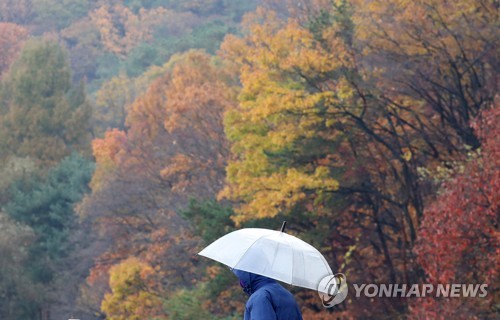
x: 280, y: 115
x: 342, y: 104
x: 134, y: 294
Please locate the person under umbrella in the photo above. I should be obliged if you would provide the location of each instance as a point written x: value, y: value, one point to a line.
x: 259, y: 257
x: 268, y: 299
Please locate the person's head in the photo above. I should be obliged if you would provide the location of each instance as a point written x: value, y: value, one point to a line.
x: 245, y: 280
x: 250, y: 281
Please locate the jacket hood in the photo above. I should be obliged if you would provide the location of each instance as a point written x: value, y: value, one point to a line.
x: 251, y: 282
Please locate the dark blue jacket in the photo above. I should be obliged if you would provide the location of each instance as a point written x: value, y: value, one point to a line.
x: 268, y: 299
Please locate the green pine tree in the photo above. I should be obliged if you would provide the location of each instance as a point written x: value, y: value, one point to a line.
x: 45, y: 204
x: 43, y: 115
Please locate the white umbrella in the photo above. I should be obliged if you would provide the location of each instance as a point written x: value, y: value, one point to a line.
x: 271, y: 253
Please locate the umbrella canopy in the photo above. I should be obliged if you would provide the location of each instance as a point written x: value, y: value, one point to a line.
x: 271, y: 253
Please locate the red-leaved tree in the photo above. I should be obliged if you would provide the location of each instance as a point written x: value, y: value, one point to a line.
x: 12, y: 37
x: 459, y: 240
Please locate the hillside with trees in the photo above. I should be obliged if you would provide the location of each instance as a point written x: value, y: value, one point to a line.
x: 133, y: 133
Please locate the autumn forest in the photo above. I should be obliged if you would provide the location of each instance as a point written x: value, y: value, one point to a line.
x: 133, y: 133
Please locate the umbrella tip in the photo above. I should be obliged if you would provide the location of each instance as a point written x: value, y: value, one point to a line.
x: 283, y: 226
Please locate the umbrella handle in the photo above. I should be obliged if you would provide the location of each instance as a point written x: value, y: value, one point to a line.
x: 283, y: 226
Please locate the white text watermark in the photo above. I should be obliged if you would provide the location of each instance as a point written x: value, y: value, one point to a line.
x: 333, y: 290
x: 421, y: 290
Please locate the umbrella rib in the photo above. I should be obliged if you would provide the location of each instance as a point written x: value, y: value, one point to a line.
x: 293, y: 258
x: 245, y: 252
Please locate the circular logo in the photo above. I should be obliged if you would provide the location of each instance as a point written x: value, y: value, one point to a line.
x: 333, y: 289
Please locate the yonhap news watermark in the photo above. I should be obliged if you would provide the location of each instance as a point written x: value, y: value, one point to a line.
x: 421, y: 290
x: 334, y: 289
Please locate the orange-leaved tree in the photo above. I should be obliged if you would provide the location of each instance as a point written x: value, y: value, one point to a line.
x: 121, y: 29
x: 173, y: 148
